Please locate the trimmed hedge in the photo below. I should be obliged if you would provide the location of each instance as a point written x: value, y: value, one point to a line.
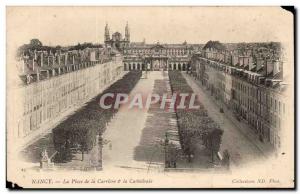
x: 194, y: 125
x: 79, y: 131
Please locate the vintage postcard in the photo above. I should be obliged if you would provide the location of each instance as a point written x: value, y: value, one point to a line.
x: 150, y: 97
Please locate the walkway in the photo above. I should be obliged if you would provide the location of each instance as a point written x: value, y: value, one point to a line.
x: 128, y: 133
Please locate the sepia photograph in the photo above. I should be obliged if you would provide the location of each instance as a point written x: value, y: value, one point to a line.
x: 158, y: 97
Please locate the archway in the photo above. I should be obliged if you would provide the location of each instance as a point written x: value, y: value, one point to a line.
x: 156, y: 65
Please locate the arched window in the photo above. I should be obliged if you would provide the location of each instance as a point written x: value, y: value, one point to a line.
x: 130, y: 67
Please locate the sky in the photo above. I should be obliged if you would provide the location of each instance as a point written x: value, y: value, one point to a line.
x: 72, y: 25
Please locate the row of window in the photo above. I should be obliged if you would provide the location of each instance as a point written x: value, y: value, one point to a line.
x: 48, y: 92
x: 163, y: 51
x: 52, y: 102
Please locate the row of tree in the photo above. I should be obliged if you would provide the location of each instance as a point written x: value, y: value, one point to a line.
x: 78, y: 132
x: 195, y: 126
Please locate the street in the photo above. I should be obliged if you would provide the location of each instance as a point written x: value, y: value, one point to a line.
x: 242, y: 150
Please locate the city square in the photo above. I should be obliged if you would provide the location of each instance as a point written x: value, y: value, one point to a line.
x: 157, y: 108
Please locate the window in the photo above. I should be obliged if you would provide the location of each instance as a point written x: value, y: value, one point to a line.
x: 271, y: 103
x: 279, y: 107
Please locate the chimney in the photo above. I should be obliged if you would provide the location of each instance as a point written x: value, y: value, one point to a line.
x: 259, y: 63
x: 276, y: 68
x: 269, y: 66
x: 251, y: 64
x: 241, y: 61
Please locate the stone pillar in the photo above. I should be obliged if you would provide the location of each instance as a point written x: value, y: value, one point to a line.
x: 42, y: 59
x: 53, y: 72
x: 48, y: 61
x: 35, y: 57
x: 53, y: 60
x: 167, y: 63
x: 37, y: 76
x: 66, y: 58
x: 59, y: 71
x: 48, y: 74
x: 73, y: 59
x: 58, y: 56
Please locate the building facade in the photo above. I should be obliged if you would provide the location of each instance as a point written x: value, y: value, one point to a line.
x: 51, y: 89
x: 150, y: 57
x: 154, y: 57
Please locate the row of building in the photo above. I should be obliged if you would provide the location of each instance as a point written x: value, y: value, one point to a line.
x: 249, y: 81
x: 38, y: 65
x: 254, y: 91
x: 248, y: 77
x: 64, y: 85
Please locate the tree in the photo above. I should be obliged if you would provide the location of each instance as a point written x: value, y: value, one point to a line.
x: 35, y: 42
x: 58, y: 47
